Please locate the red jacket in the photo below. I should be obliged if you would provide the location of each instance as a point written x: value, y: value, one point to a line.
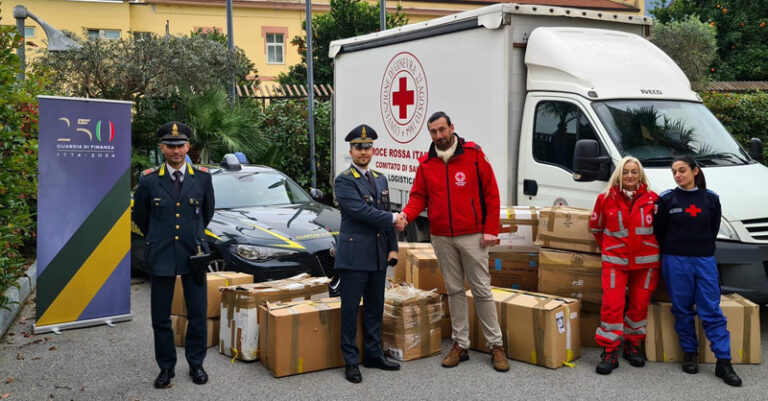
x: 624, y: 229
x: 461, y: 196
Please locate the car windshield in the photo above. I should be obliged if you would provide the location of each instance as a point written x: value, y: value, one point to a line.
x: 657, y: 131
x: 249, y: 189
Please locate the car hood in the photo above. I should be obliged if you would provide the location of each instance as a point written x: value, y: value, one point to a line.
x: 306, y: 226
x: 742, y: 189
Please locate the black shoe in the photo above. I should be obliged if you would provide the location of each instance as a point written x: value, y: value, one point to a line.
x: 633, y: 355
x: 164, y: 378
x: 690, y: 363
x: 724, y: 370
x: 608, y: 362
x: 352, y: 373
x: 381, y: 363
x: 198, y: 375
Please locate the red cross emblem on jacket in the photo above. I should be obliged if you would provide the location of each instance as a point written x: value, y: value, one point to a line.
x: 693, y: 210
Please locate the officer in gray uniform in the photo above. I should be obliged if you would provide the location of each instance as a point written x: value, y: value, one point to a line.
x: 365, y: 245
x: 172, y: 206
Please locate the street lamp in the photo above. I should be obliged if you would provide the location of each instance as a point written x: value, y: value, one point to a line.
x: 57, y: 41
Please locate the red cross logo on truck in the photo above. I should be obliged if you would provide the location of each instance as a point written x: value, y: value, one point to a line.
x: 402, y: 98
x: 693, y: 210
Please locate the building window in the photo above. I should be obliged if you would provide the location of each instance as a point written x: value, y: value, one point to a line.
x: 557, y: 127
x: 103, y: 34
x: 29, y: 32
x: 275, y: 48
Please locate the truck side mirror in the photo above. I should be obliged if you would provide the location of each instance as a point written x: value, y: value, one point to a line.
x: 756, y: 149
x: 316, y: 194
x: 587, y: 162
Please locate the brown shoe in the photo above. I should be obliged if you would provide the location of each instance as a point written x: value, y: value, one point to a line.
x: 499, y: 358
x: 456, y: 355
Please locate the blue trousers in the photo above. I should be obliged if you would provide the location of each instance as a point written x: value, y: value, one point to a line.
x: 368, y: 285
x: 197, y: 307
x: 693, y: 280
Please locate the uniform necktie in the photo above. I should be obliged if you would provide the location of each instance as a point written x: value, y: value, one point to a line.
x: 370, y: 180
x: 177, y: 182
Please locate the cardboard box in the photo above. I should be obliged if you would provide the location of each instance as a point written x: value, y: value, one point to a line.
x: 214, y: 281
x: 663, y: 345
x: 536, y: 328
x: 422, y: 270
x: 589, y: 323
x: 566, y: 228
x: 179, y: 326
x: 303, y: 336
x: 518, y: 227
x: 402, y: 258
x: 239, y: 331
x: 571, y: 274
x: 445, y: 328
x: 411, y: 323
x: 516, y: 270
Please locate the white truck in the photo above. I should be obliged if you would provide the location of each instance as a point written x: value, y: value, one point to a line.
x: 555, y: 97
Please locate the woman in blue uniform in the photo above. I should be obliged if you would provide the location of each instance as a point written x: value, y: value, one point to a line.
x: 686, y: 225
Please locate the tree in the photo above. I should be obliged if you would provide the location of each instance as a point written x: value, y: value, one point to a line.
x: 144, y: 65
x: 347, y: 18
x: 691, y: 43
x: 18, y: 161
x: 219, y: 128
x: 742, y: 34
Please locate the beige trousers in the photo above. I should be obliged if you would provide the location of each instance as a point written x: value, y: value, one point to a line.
x: 460, y: 257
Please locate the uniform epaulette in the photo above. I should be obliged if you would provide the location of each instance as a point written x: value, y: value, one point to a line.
x: 149, y: 171
x: 713, y: 193
x: 376, y: 172
x: 346, y: 172
x: 665, y: 193
x: 201, y: 168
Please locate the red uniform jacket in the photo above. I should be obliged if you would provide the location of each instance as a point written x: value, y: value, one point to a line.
x: 624, y: 229
x: 461, y: 196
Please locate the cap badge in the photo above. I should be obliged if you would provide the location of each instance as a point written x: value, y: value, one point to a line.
x: 175, y: 130
x: 363, y: 135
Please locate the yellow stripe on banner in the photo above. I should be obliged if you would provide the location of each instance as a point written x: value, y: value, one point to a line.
x: 84, y: 285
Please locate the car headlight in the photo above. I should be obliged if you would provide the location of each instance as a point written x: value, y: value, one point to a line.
x: 726, y: 231
x: 260, y: 253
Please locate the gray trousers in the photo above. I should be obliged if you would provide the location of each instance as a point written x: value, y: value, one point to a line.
x: 462, y: 257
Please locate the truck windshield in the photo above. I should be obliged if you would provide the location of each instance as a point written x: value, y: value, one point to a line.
x: 657, y: 131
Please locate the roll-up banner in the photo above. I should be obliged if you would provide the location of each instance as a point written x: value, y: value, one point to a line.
x: 83, y: 213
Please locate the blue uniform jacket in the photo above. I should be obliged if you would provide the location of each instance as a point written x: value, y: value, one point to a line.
x: 367, y: 235
x: 173, y: 226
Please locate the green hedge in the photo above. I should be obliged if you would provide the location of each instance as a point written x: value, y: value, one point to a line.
x: 18, y: 163
x: 745, y: 115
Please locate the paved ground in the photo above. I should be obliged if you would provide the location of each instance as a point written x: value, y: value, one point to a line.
x: 103, y: 363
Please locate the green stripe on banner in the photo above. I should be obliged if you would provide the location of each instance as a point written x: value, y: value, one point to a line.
x: 98, y: 131
x: 83, y: 242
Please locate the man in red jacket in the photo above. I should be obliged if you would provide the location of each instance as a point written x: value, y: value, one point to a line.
x: 456, y: 184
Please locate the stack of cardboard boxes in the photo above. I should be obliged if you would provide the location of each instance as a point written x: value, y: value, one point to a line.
x: 179, y: 309
x: 239, y: 331
x: 513, y: 263
x: 570, y: 263
x: 411, y: 324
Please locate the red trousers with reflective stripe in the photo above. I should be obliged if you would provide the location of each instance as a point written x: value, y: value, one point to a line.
x: 614, y: 324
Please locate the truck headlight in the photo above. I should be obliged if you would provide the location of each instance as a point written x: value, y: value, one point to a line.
x: 260, y: 253
x: 726, y: 231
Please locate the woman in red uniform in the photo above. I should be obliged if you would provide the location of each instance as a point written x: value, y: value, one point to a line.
x: 622, y: 223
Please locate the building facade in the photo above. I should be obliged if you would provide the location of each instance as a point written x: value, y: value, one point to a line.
x: 262, y: 28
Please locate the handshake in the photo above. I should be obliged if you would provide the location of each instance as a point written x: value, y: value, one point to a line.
x: 401, y: 221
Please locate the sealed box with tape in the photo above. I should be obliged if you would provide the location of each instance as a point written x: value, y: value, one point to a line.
x: 303, y: 336
x: 566, y: 228
x: 214, y: 281
x: 411, y: 323
x: 743, y: 318
x: 571, y: 274
x: 516, y: 270
x: 402, y: 258
x: 536, y: 328
x: 239, y: 329
x: 518, y: 226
